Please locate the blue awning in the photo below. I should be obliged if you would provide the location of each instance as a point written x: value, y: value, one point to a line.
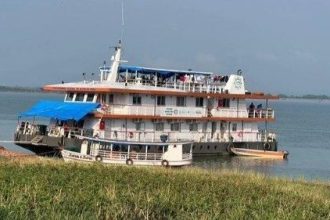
x: 60, y: 110
x: 162, y: 72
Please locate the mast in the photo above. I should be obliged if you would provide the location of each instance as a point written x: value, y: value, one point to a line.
x: 116, y: 58
x: 115, y: 64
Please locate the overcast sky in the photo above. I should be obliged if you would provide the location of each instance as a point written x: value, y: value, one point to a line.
x: 282, y: 46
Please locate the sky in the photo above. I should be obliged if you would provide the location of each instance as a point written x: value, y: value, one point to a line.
x: 282, y: 46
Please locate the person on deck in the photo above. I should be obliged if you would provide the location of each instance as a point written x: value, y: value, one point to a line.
x: 251, y: 110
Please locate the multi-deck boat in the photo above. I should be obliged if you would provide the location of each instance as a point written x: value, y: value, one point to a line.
x: 142, y: 104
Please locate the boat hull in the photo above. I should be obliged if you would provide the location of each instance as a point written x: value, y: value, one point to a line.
x: 260, y: 153
x: 70, y: 156
x: 51, y: 144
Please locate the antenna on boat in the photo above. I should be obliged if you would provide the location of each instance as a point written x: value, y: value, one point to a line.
x: 122, y: 21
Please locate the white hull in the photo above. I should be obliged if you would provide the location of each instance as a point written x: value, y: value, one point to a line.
x: 260, y: 153
x: 70, y: 156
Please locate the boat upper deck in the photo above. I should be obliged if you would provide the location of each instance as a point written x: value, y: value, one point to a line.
x: 196, y: 89
x: 124, y: 79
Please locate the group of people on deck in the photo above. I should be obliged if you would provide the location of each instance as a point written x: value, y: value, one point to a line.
x: 253, y: 111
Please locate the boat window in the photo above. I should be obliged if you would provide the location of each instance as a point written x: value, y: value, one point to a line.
x: 159, y: 126
x: 80, y: 97
x: 110, y: 98
x: 116, y: 147
x: 204, y: 128
x: 124, y: 148
x: 223, y: 103
x: 103, y: 98
x: 139, y: 126
x: 199, y: 102
x: 69, y: 96
x: 180, y: 101
x: 175, y: 127
x: 160, y: 100
x: 90, y: 97
x: 186, y: 148
x: 165, y: 148
x: 137, y: 100
x: 234, y: 127
x: 193, y: 127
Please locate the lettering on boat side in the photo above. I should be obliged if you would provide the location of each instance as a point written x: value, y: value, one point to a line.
x: 170, y: 111
x: 85, y: 157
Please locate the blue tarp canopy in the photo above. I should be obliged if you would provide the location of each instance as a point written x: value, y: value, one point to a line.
x: 60, y: 110
x: 162, y: 72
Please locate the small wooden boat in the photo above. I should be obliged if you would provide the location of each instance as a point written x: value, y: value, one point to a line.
x: 131, y: 153
x: 260, y: 153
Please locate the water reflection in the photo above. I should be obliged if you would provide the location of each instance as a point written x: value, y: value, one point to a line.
x: 261, y: 165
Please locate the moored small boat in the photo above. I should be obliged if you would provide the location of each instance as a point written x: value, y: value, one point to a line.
x: 260, y: 153
x: 131, y: 153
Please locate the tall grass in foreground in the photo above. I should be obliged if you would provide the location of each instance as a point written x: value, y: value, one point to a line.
x: 51, y: 189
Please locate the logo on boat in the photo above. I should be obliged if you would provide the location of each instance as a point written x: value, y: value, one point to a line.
x: 171, y: 111
x: 238, y: 82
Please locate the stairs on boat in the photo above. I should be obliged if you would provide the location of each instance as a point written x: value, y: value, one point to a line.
x: 37, y: 139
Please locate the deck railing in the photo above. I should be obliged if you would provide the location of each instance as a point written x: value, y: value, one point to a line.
x: 118, y: 155
x: 152, y: 110
x: 261, y: 113
x: 196, y: 86
x: 185, y: 111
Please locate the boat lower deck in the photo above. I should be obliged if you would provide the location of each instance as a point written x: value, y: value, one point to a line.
x: 53, y: 145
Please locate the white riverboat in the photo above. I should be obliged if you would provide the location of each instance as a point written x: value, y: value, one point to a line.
x: 142, y: 104
x: 131, y: 153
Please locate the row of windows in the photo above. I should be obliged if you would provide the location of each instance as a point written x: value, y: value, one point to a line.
x: 160, y: 126
x: 161, y: 101
x: 80, y: 97
x: 137, y: 99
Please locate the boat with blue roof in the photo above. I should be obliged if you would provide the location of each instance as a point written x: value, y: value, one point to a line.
x: 134, y: 104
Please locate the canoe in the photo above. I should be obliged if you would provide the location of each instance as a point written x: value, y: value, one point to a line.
x: 260, y: 153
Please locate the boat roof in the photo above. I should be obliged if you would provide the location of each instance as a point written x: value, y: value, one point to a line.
x: 132, y: 142
x: 60, y: 110
x: 163, y: 72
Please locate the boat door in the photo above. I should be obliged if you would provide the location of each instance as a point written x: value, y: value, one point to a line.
x: 213, y: 129
x: 85, y: 147
x: 222, y: 129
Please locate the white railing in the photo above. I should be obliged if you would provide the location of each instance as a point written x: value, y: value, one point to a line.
x: 185, y: 111
x: 197, y: 86
x: 229, y: 112
x: 152, y: 110
x: 261, y: 113
x: 118, y: 155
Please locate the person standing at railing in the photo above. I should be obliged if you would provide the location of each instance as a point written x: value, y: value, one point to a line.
x: 259, y: 110
x: 251, y: 110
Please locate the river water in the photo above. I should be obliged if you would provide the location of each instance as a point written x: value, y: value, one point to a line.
x: 302, y: 127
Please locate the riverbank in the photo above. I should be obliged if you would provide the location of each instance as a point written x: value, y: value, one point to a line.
x: 41, y: 187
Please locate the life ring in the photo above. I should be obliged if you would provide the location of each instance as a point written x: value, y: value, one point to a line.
x: 267, y: 146
x: 98, y: 158
x: 229, y: 147
x: 165, y: 163
x: 130, y: 134
x: 129, y: 161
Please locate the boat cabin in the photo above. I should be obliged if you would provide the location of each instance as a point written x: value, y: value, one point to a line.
x: 131, y: 153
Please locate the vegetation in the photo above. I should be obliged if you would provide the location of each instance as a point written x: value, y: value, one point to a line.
x: 18, y: 89
x: 47, y: 188
x: 304, y: 96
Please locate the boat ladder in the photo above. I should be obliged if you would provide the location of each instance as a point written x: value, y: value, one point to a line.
x: 37, y: 139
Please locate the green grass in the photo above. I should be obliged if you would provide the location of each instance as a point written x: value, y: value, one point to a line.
x: 52, y: 189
